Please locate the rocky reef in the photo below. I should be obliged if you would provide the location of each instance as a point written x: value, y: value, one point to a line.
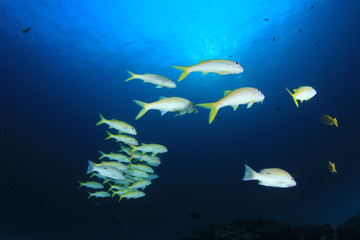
x: 267, y: 229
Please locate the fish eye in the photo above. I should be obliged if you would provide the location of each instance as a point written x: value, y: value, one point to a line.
x: 237, y: 63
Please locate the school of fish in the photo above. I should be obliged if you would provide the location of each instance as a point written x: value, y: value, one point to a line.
x: 123, y: 175
x: 128, y: 175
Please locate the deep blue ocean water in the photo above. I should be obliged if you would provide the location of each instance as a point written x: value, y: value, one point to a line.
x: 71, y: 66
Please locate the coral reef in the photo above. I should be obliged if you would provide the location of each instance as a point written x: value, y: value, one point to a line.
x: 267, y: 229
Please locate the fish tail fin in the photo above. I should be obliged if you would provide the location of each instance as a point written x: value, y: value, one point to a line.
x: 184, y: 73
x: 102, y: 155
x: 250, y: 174
x: 90, y: 167
x: 133, y: 149
x: 336, y: 122
x: 81, y: 184
x: 90, y: 195
x: 122, y: 148
x: 133, y: 75
x: 294, y: 97
x: 109, y: 135
x: 102, y: 120
x: 213, y: 109
x: 143, y: 110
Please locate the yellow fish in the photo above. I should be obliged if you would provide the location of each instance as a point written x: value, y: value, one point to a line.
x: 219, y: 66
x: 331, y: 166
x: 158, y: 80
x: 328, y: 121
x: 303, y: 93
x: 245, y: 95
x: 173, y: 104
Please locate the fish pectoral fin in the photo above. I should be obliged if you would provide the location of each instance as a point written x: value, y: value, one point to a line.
x: 159, y: 86
x: 235, y: 107
x: 249, y: 104
x: 180, y: 113
x: 162, y: 112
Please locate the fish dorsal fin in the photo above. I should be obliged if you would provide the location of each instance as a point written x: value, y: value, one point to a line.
x: 235, y: 107
x: 159, y: 86
x: 161, y: 97
x: 250, y: 104
x: 226, y: 92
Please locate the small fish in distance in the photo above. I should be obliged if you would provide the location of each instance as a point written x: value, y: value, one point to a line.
x: 328, y: 121
x: 26, y: 30
x: 331, y: 167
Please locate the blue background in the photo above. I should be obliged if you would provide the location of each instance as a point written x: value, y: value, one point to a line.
x: 72, y: 64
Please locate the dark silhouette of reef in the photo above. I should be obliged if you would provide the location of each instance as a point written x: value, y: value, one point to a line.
x: 267, y: 229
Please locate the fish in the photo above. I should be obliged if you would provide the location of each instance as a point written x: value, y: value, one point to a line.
x: 234, y: 98
x: 178, y: 105
x: 136, y: 173
x: 101, y: 194
x: 270, y: 177
x: 158, y: 80
x: 120, y: 126
x: 328, y: 121
x: 26, y: 30
x: 266, y: 19
x: 153, y: 176
x: 115, y: 156
x: 125, y: 182
x: 122, y: 138
x: 120, y: 192
x: 219, y: 66
x: 303, y: 93
x: 106, y: 171
x: 145, y: 158
x: 132, y: 194
x: 117, y: 165
x: 141, y: 184
x: 142, y: 167
x: 117, y: 187
x: 146, y: 148
x: 91, y: 184
x: 331, y: 166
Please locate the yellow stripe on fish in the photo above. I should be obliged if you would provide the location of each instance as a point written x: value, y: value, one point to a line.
x: 219, y: 66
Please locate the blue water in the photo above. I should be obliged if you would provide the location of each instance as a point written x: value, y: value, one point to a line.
x: 72, y: 64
